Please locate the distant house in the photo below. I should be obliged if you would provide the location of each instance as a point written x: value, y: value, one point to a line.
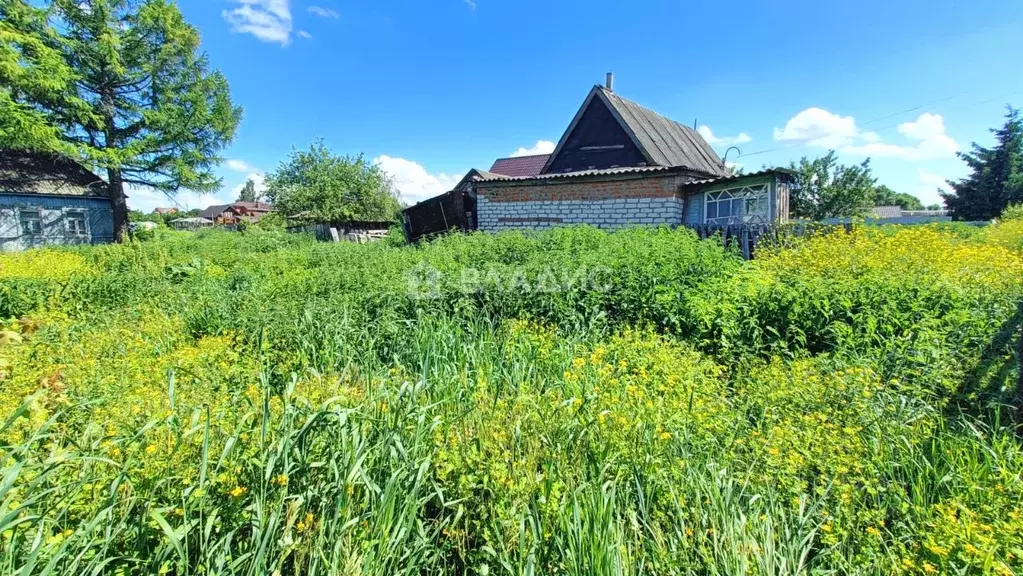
x: 165, y: 211
x: 49, y: 199
x: 896, y: 212
x: 231, y: 214
x: 617, y: 164
x: 520, y: 166
x: 192, y: 223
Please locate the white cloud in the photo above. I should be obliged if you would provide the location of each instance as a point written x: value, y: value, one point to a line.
x: 304, y: 34
x: 713, y: 140
x: 930, y: 183
x: 815, y: 127
x: 412, y: 181
x: 929, y: 132
x: 819, y: 128
x: 267, y: 20
x: 324, y: 12
x: 541, y: 147
x: 472, y: 4
x: 239, y: 166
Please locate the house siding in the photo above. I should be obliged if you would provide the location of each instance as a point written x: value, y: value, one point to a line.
x: 52, y: 211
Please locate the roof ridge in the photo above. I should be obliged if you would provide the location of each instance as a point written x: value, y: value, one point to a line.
x: 524, y: 156
x: 665, y: 143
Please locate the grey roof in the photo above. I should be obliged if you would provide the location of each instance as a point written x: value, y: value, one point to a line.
x: 765, y: 172
x: 213, y: 211
x: 662, y: 140
x: 491, y: 177
x: 887, y: 212
x: 49, y: 174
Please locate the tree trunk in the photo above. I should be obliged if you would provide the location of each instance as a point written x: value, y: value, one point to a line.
x: 117, y: 202
x: 115, y: 185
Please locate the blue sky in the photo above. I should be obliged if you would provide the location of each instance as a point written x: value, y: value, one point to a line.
x: 432, y: 88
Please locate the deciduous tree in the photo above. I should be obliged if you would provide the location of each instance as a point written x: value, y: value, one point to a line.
x: 885, y: 196
x: 826, y: 189
x: 316, y: 183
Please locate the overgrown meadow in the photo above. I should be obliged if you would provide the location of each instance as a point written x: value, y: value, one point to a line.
x: 570, y: 402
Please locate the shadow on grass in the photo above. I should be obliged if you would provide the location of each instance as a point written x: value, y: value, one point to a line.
x: 996, y: 381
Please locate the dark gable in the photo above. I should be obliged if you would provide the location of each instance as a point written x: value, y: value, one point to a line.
x: 596, y: 142
x: 610, y: 131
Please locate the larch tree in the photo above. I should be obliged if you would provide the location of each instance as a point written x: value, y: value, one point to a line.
x: 155, y: 114
x: 34, y: 79
x: 996, y: 179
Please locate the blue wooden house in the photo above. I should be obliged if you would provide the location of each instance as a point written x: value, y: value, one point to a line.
x: 51, y: 200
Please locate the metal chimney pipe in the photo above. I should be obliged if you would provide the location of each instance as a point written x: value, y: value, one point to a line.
x: 610, y: 85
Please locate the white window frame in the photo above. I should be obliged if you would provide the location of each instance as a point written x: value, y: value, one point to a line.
x: 756, y: 195
x: 68, y: 212
x: 38, y: 220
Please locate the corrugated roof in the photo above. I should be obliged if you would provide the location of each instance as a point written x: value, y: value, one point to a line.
x: 887, y: 212
x: 520, y: 165
x: 708, y: 181
x: 256, y: 206
x: 214, y: 211
x: 41, y: 173
x: 490, y: 177
x: 664, y: 141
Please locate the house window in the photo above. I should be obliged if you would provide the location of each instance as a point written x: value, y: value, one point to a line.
x: 76, y: 224
x: 742, y: 205
x: 31, y: 222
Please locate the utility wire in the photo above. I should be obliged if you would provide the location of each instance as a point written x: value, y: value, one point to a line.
x: 899, y: 113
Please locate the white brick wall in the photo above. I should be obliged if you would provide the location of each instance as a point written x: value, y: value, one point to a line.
x: 614, y: 213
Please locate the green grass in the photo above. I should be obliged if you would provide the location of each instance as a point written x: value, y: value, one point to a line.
x: 262, y: 404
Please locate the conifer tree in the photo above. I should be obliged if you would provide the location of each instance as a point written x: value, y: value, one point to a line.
x: 996, y: 180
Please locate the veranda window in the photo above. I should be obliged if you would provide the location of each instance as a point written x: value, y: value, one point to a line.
x: 741, y: 205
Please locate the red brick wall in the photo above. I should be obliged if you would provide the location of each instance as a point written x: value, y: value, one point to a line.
x: 659, y: 186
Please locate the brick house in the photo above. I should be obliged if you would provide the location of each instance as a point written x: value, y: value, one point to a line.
x: 617, y: 164
x: 231, y: 214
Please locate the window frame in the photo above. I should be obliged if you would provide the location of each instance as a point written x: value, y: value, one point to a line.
x: 22, y: 211
x: 757, y: 194
x: 81, y: 212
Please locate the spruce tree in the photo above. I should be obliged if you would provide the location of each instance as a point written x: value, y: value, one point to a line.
x: 248, y: 192
x: 996, y: 180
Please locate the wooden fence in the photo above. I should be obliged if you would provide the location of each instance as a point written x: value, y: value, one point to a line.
x: 436, y: 215
x: 344, y: 231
